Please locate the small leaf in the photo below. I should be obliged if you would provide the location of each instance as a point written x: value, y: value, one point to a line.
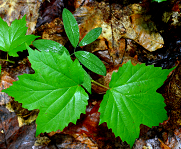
x: 91, y: 61
x: 71, y: 27
x: 132, y: 100
x: 55, y: 89
x: 49, y: 45
x: 13, y: 38
x: 91, y: 36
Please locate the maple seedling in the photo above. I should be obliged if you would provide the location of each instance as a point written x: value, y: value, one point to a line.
x: 58, y: 87
x: 13, y: 38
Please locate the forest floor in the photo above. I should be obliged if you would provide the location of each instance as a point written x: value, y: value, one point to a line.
x: 143, y: 32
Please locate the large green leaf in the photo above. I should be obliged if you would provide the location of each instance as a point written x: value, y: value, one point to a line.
x: 55, y: 89
x: 71, y: 27
x: 132, y: 100
x: 13, y: 38
x: 49, y: 45
x: 91, y: 61
x: 91, y: 36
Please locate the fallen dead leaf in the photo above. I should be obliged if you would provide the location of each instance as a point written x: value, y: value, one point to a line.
x: 163, y: 146
x: 124, y: 22
x: 13, y: 136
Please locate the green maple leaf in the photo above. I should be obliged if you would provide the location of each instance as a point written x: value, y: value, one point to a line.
x: 55, y: 89
x: 132, y: 100
x: 13, y: 38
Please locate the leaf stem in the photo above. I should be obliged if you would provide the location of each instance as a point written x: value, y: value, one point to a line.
x: 7, y: 57
x: 7, y: 60
x: 99, y: 84
x: 74, y: 51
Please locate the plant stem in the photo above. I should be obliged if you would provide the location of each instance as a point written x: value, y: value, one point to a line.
x: 99, y: 84
x: 7, y: 60
x: 75, y: 49
x: 7, y: 57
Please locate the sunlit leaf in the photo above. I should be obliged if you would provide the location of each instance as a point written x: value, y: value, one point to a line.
x: 91, y: 36
x: 91, y: 61
x: 55, y: 89
x: 49, y: 45
x: 132, y: 100
x: 71, y: 27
